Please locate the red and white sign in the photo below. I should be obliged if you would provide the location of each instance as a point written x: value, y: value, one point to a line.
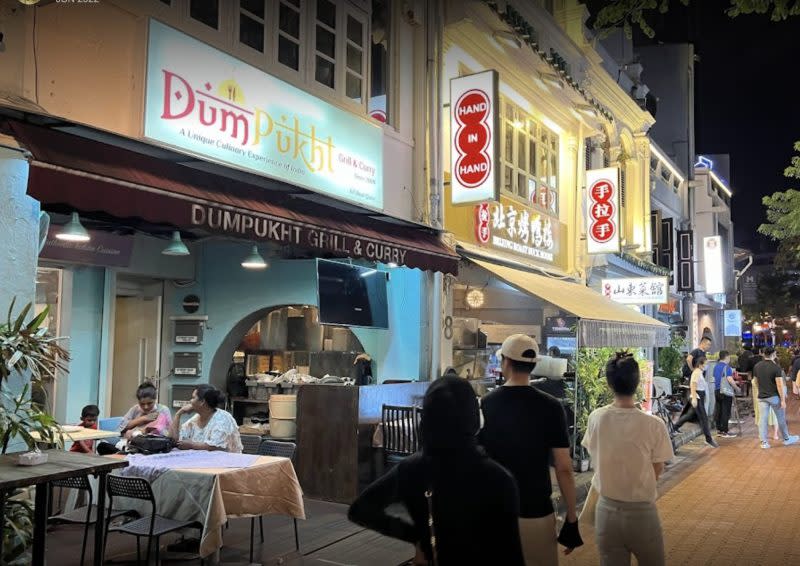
x: 482, y: 218
x: 473, y: 132
x: 602, y: 222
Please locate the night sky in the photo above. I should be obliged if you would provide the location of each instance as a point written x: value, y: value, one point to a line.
x: 747, y: 100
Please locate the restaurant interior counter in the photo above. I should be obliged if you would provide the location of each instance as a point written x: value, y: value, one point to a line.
x: 335, y: 424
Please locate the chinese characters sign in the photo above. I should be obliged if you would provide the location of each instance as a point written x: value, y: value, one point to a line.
x: 637, y: 290
x: 208, y: 103
x: 602, y: 223
x: 511, y: 226
x: 712, y: 262
x: 473, y: 133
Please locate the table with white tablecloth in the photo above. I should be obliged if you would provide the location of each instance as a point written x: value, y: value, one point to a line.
x: 212, y: 487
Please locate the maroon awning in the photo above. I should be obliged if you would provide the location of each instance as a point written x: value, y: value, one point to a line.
x: 92, y: 176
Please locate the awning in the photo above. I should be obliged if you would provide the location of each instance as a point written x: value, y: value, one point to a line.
x: 603, y: 323
x: 94, y: 177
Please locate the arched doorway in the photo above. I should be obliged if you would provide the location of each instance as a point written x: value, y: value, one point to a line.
x: 281, y: 337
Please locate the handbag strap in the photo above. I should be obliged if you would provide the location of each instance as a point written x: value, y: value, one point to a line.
x: 432, y: 532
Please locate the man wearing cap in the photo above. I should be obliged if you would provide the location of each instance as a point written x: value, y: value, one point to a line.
x: 523, y: 428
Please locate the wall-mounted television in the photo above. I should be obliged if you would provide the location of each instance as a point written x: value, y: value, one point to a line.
x: 351, y: 295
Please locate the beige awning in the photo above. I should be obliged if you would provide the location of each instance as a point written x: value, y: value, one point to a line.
x: 603, y: 323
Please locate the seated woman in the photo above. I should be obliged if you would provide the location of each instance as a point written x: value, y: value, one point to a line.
x: 145, y: 417
x: 211, y: 428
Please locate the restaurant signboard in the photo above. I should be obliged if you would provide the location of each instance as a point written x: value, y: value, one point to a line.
x: 103, y: 249
x: 637, y: 290
x: 510, y: 226
x: 203, y: 101
x: 473, y: 138
x: 602, y: 222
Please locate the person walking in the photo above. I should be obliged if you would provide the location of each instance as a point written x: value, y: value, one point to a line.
x: 523, y: 429
x: 463, y: 506
x: 771, y: 395
x: 697, y: 399
x: 629, y: 449
x: 724, y: 389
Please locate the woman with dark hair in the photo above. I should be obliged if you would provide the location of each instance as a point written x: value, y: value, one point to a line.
x: 146, y: 416
x: 628, y: 449
x: 450, y: 488
x: 697, y: 398
x: 211, y: 428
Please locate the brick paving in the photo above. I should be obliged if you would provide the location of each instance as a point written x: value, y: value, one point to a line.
x: 736, y: 505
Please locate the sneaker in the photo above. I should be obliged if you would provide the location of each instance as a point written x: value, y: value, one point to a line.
x: 712, y: 443
x: 729, y: 435
x: 791, y: 440
x: 765, y: 444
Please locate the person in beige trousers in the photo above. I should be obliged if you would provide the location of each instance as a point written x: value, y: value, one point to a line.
x: 628, y: 448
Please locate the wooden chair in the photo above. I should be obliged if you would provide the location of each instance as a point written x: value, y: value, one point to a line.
x: 400, y: 427
x: 152, y: 526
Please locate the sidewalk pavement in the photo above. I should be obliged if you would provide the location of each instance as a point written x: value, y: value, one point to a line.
x: 735, y: 505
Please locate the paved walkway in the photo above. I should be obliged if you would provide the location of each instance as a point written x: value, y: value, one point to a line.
x: 737, y: 505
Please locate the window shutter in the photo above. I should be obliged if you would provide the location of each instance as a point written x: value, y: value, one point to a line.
x: 685, y: 263
x: 668, y: 248
x: 655, y: 235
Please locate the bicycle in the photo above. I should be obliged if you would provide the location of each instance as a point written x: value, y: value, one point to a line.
x: 663, y: 406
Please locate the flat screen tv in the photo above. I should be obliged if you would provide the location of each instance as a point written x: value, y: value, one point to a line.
x: 351, y: 295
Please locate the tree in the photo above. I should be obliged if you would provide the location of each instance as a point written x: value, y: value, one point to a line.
x: 629, y: 13
x: 783, y: 218
x: 778, y: 294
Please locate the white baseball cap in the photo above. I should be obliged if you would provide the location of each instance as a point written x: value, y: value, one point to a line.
x: 521, y: 348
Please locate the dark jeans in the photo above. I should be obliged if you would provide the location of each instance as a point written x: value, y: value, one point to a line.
x: 698, y: 413
x: 723, y: 411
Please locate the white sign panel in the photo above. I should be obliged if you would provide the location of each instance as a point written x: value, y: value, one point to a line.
x: 602, y: 210
x: 712, y: 264
x: 733, y: 323
x: 637, y: 290
x: 206, y: 102
x: 474, y: 133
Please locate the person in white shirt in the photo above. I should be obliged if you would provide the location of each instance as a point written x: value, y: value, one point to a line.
x: 697, y: 398
x: 628, y: 449
x: 211, y: 428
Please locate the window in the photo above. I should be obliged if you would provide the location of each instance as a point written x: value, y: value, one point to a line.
x: 529, y: 158
x: 205, y: 11
x: 354, y: 79
x: 252, y: 14
x: 325, y: 43
x: 379, y: 77
x: 289, y: 33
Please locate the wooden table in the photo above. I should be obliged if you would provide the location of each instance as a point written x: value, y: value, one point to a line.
x: 60, y: 465
x: 82, y: 434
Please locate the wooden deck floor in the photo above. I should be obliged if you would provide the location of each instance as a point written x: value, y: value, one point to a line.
x: 327, y: 538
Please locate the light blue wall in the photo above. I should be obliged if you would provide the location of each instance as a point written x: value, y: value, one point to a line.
x: 85, y: 335
x: 228, y: 293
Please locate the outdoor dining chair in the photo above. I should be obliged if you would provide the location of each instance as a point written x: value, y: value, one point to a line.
x: 281, y: 450
x: 250, y: 443
x: 400, y: 428
x: 150, y: 526
x: 86, y: 515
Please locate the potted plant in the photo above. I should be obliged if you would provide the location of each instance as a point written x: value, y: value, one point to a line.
x: 671, y: 358
x: 28, y: 349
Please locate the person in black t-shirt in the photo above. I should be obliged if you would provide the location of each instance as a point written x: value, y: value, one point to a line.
x: 771, y: 395
x: 794, y: 375
x: 702, y: 348
x: 523, y: 428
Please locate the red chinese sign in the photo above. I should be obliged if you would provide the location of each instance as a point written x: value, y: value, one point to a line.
x: 603, y: 210
x: 482, y: 217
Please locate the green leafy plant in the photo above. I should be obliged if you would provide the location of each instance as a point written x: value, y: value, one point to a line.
x: 28, y: 349
x: 670, y: 359
x: 784, y: 357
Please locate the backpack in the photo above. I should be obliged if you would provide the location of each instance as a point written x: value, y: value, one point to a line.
x: 150, y: 444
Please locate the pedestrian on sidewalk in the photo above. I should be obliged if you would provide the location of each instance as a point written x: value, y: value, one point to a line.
x: 771, y: 395
x: 697, y: 399
x: 524, y: 429
x: 794, y: 372
x: 724, y: 389
x: 463, y: 506
x: 701, y: 350
x: 629, y: 449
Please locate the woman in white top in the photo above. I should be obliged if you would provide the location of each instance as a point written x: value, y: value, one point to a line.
x: 628, y: 449
x: 211, y: 428
x: 697, y: 398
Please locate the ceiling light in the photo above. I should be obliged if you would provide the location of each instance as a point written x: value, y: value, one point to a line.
x: 475, y: 298
x: 29, y: 2
x: 176, y: 246
x: 254, y: 260
x: 73, y: 231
